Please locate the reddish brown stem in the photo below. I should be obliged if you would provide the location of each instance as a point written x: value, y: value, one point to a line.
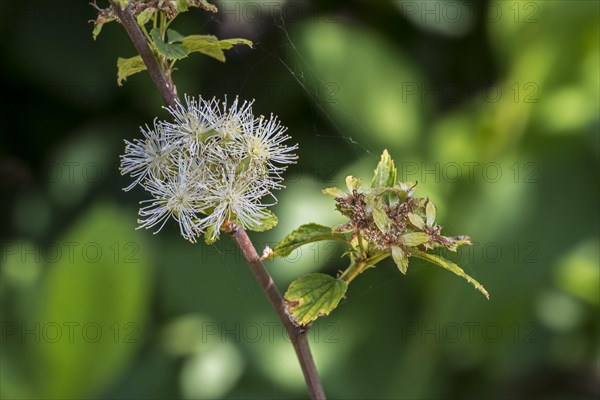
x: 162, y: 81
x: 296, y: 334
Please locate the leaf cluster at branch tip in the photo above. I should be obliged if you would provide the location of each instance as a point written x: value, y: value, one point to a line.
x: 384, y: 219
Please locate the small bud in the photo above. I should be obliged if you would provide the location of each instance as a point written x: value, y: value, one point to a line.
x: 267, y: 254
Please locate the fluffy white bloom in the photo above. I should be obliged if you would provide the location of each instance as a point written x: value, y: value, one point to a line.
x: 235, y: 120
x: 265, y: 145
x: 213, y: 163
x: 235, y: 197
x: 176, y: 196
x: 193, y: 123
x: 150, y: 155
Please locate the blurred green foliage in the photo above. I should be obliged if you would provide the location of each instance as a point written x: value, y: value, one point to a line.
x: 92, y: 308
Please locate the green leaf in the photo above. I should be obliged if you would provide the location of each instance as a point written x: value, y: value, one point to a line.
x: 97, y: 29
x: 145, y: 16
x: 375, y: 206
x: 414, y: 239
x: 399, y: 193
x: 211, y: 235
x: 313, y: 296
x: 227, y: 44
x: 127, y: 67
x: 405, y: 189
x: 172, y: 51
x: 303, y: 235
x: 334, y: 192
x: 267, y: 221
x: 400, y: 259
x: 416, y: 221
x: 100, y: 22
x: 452, y: 267
x: 353, y: 183
x: 381, y: 220
x: 182, y: 6
x: 174, y: 36
x: 203, y: 44
x: 385, y: 173
x: 210, y: 45
x: 430, y: 212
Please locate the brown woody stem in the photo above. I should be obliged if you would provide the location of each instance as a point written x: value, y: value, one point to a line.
x: 296, y: 334
x: 162, y: 81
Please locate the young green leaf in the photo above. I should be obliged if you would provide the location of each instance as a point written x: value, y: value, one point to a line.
x: 414, y: 239
x: 381, y: 220
x: 104, y: 17
x: 400, y: 259
x: 268, y: 221
x: 430, y: 213
x: 405, y: 189
x: 353, y: 183
x: 127, y: 67
x: 452, y: 267
x: 97, y: 29
x: 313, y: 296
x: 303, y: 235
x: 211, y: 46
x: 385, y: 173
x: 334, y: 192
x: 173, y: 36
x: 416, y: 221
x: 171, y: 51
x: 209, y: 235
x: 145, y: 16
x: 203, y: 44
x: 227, y: 44
x: 182, y: 5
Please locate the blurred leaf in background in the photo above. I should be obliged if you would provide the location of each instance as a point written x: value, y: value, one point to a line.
x: 88, y: 315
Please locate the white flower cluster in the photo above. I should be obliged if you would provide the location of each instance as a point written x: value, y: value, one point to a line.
x: 213, y: 163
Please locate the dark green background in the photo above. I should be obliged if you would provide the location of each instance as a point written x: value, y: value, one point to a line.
x: 91, y: 308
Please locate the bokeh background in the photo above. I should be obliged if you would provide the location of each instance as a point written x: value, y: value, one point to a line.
x: 492, y: 106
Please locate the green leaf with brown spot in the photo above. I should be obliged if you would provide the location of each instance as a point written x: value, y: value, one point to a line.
x: 313, y: 296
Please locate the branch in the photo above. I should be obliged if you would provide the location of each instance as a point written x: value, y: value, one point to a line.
x: 296, y: 334
x: 161, y: 80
